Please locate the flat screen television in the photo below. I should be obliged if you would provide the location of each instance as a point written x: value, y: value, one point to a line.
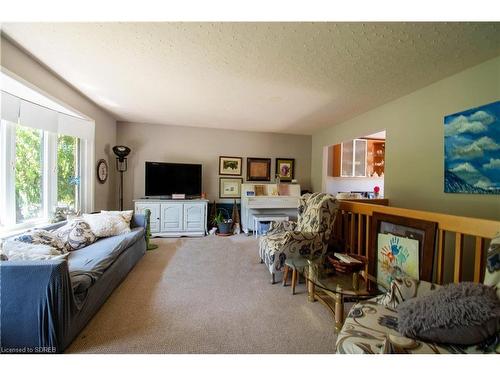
x: 165, y: 179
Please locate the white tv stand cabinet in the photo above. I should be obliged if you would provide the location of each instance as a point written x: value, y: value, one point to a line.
x: 175, y: 217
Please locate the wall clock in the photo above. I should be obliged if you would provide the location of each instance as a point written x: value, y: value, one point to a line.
x: 102, y: 171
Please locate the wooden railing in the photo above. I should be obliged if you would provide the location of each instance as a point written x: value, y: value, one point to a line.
x: 353, y: 228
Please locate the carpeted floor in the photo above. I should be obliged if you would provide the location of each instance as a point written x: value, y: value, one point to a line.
x: 206, y: 295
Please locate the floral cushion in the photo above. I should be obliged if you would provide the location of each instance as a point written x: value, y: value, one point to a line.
x: 492, y: 273
x: 308, y: 238
x: 372, y: 328
x: 76, y: 235
x: 41, y: 237
x: 403, y: 289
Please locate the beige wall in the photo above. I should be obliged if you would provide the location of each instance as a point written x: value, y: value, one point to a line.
x: 414, y: 170
x: 23, y: 65
x: 200, y: 145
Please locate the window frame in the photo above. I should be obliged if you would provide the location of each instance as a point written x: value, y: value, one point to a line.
x: 84, y: 161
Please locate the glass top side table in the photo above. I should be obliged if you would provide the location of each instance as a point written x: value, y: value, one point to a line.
x: 333, y: 288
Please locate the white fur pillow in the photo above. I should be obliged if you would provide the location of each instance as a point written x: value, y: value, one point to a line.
x: 17, y: 250
x: 107, y: 225
x: 127, y: 215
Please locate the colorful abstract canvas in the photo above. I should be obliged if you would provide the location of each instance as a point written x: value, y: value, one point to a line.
x: 472, y: 150
x: 396, y: 257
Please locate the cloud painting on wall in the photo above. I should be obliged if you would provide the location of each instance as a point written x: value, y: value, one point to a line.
x: 472, y: 150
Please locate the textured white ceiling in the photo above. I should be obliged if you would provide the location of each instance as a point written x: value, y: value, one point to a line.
x: 276, y: 77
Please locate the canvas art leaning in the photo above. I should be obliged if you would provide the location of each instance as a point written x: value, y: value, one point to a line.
x: 397, y: 257
x: 472, y: 150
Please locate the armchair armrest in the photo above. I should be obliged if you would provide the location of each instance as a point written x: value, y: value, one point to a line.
x: 305, y: 244
x: 282, y: 226
x: 138, y: 220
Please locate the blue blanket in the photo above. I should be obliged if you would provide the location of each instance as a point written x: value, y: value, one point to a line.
x: 40, y: 309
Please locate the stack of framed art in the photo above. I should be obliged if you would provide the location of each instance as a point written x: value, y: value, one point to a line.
x: 257, y: 169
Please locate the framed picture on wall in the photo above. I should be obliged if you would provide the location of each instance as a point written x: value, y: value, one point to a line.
x: 285, y: 169
x: 230, y: 187
x: 230, y: 165
x: 258, y: 169
x: 401, y: 246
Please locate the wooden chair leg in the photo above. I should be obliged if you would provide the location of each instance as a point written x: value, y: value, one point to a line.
x: 294, y: 279
x: 285, y: 274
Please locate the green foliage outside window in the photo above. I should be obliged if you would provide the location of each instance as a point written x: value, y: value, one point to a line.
x: 29, y: 172
x: 66, y: 170
x: 29, y: 160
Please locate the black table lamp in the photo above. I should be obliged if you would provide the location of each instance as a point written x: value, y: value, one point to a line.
x: 121, y: 153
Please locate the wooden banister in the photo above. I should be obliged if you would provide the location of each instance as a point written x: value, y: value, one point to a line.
x: 355, y: 228
x: 465, y: 225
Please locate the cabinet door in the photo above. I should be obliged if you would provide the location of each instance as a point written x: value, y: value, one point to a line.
x: 171, y: 217
x: 360, y: 157
x: 194, y: 217
x: 154, y: 219
x: 347, y: 159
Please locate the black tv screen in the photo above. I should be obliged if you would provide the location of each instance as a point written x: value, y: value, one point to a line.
x: 165, y: 179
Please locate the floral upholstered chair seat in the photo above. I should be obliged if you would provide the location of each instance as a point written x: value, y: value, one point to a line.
x: 371, y: 326
x: 308, y: 237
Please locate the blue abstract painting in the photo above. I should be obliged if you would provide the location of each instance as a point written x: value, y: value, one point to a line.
x: 472, y: 150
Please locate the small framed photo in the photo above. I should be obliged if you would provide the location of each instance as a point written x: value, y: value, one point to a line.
x: 230, y: 187
x: 285, y: 168
x: 258, y: 169
x: 230, y: 165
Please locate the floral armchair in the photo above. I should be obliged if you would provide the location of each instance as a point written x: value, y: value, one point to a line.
x: 371, y: 326
x: 308, y: 237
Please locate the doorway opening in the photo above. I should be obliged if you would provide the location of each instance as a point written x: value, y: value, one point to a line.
x: 355, y: 168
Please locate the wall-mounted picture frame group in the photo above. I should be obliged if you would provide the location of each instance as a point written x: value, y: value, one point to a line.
x: 230, y: 165
x: 285, y: 169
x: 258, y: 169
x: 230, y: 187
x: 401, y: 246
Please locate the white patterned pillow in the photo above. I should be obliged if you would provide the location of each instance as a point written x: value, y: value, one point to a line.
x: 492, y: 272
x: 18, y: 250
x: 127, y: 215
x: 106, y: 225
x: 41, y: 237
x: 404, y: 289
x: 76, y: 235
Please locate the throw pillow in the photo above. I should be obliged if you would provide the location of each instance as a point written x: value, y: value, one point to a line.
x: 18, y: 250
x: 126, y: 215
x: 492, y: 272
x: 41, y: 237
x: 76, y: 235
x: 461, y: 314
x: 403, y: 289
x: 106, y: 225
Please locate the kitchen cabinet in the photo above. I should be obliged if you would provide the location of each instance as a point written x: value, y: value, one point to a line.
x: 349, y: 158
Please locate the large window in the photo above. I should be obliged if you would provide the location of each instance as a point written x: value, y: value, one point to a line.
x: 46, y: 158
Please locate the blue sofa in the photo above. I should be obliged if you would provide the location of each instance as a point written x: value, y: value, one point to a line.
x: 45, y: 304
